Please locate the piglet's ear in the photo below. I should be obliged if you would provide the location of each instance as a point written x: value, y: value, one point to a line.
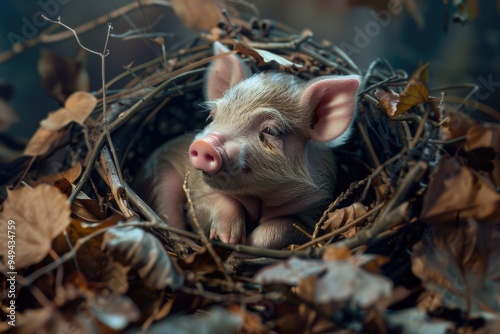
x: 333, y: 101
x: 224, y: 73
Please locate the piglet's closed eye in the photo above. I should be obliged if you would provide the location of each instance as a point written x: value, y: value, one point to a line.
x: 333, y: 102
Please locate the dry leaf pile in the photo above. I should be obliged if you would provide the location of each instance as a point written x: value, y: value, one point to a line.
x: 411, y: 244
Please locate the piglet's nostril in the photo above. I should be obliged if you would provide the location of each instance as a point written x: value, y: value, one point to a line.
x: 209, y: 157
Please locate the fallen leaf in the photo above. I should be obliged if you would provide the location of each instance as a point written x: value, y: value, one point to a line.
x: 461, y: 264
x: 340, y: 217
x: 264, y: 57
x: 388, y: 100
x: 92, y: 262
x: 413, y: 94
x: 42, y: 141
x: 77, y: 108
x: 135, y: 247
x: 202, y: 262
x: 457, y: 192
x: 483, y: 149
x: 88, y: 210
x: 456, y: 124
x: 484, y: 135
x: 394, y: 104
x: 39, y: 214
x: 62, y: 76
x: 337, y: 281
x: 198, y: 14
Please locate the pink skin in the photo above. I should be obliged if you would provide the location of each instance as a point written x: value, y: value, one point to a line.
x: 259, y: 166
x: 206, y: 154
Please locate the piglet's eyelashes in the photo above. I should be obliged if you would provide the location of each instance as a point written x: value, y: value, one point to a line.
x: 269, y: 130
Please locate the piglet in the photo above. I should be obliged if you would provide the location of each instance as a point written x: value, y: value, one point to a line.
x: 263, y: 163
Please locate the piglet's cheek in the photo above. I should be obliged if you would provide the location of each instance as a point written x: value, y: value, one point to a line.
x: 236, y: 155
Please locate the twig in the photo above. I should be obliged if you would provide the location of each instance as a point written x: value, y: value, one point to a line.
x: 346, y: 58
x: 334, y: 204
x: 114, y: 182
x: 293, y: 44
x: 201, y: 232
x: 325, y: 61
x: 342, y: 229
x: 177, y: 244
x: 420, y: 129
x: 372, y: 152
x: 47, y: 37
x: 102, y: 55
x: 378, y: 84
x: 413, y: 176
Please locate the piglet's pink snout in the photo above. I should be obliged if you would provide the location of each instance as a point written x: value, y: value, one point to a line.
x: 204, y: 155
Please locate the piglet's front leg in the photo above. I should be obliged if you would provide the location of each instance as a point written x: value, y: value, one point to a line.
x: 222, y: 216
x: 276, y: 233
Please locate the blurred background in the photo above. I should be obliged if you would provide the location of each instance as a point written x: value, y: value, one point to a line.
x: 406, y: 32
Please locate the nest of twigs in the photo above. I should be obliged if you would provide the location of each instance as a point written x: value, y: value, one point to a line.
x: 415, y: 218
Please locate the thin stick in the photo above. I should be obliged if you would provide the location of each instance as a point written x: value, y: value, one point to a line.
x: 413, y: 176
x: 201, y: 233
x: 342, y: 229
x: 115, y: 183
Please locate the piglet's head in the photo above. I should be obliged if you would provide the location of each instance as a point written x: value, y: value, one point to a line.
x: 266, y: 128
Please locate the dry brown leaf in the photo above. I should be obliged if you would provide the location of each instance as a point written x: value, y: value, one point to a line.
x: 40, y: 214
x: 414, y: 93
x: 42, y: 141
x: 264, y: 57
x: 457, y: 192
x: 388, y: 100
x: 456, y: 124
x: 202, y: 262
x: 92, y: 262
x: 484, y: 135
x: 62, y: 76
x: 483, y: 148
x: 394, y: 104
x: 135, y: 247
x: 461, y: 263
x: 77, y: 108
x: 340, y: 217
x: 198, y: 14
